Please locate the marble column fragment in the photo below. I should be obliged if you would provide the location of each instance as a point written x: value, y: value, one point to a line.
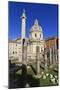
x: 50, y: 56
x: 53, y: 56
x: 45, y: 57
x: 37, y: 60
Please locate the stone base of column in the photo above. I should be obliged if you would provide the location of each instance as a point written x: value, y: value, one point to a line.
x: 37, y: 76
x: 51, y: 66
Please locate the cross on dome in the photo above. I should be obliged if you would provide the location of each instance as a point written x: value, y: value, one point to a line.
x: 36, y: 22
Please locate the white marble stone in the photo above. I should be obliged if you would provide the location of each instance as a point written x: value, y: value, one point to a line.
x: 27, y: 85
x: 55, y: 76
x: 47, y: 74
x: 51, y: 76
x: 37, y: 76
x: 42, y: 73
x: 53, y: 80
x: 28, y: 67
x: 44, y: 76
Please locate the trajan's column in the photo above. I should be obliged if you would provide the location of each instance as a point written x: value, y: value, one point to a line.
x: 23, y: 27
x: 23, y: 38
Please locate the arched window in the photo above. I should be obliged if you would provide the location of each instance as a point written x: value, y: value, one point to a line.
x: 13, y: 52
x: 35, y: 35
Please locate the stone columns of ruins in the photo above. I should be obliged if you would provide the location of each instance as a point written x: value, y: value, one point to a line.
x: 50, y: 56
x: 37, y: 60
x: 54, y: 56
x: 45, y: 58
x: 24, y: 52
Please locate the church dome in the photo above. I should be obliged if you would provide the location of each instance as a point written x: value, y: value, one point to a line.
x: 36, y: 27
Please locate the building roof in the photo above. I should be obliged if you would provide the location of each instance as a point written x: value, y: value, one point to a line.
x: 51, y: 38
x: 18, y: 39
x: 13, y: 41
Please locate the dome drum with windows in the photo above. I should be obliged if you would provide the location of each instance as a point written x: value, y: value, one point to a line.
x: 36, y: 31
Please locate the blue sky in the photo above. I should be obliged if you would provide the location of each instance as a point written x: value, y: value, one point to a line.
x: 47, y: 15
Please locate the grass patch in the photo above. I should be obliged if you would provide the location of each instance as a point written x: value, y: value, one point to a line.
x: 46, y: 82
